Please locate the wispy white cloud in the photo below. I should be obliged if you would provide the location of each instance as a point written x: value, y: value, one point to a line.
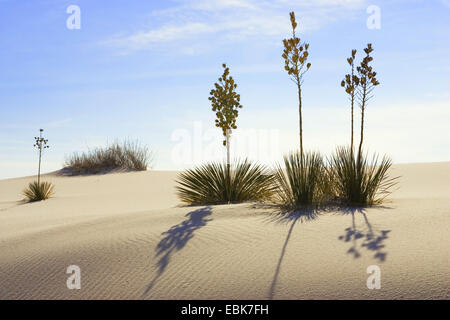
x: 214, y: 5
x: 201, y: 24
x: 446, y: 3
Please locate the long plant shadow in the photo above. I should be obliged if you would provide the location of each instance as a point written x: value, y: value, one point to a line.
x: 292, y: 217
x: 4, y: 207
x: 176, y: 238
x: 368, y: 238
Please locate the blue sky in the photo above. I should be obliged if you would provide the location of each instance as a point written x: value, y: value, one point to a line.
x: 143, y: 70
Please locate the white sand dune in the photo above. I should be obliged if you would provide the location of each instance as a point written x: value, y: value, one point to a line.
x: 132, y: 240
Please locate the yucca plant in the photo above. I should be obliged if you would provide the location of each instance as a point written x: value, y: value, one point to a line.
x: 358, y: 180
x: 216, y: 183
x: 38, y: 191
x: 303, y: 182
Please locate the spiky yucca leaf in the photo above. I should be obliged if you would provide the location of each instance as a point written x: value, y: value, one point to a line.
x: 358, y: 181
x: 39, y: 191
x: 214, y: 183
x: 304, y: 180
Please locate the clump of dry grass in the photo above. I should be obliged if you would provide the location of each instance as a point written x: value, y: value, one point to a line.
x: 126, y: 156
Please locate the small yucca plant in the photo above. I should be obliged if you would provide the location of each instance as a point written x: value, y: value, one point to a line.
x: 358, y: 180
x: 216, y: 183
x: 303, y: 182
x: 38, y: 191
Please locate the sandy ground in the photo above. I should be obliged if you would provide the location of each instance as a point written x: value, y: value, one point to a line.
x: 132, y: 240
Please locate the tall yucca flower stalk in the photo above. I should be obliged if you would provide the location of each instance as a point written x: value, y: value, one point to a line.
x: 295, y: 55
x: 350, y: 83
x: 40, y: 144
x: 367, y: 82
x: 225, y: 103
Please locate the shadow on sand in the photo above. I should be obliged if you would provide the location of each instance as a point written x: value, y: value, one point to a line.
x: 6, y: 205
x: 288, y: 217
x: 176, y: 238
x: 69, y: 172
x: 369, y: 237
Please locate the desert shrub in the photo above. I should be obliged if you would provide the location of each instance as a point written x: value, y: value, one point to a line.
x: 303, y: 182
x: 38, y: 191
x: 127, y: 156
x: 216, y: 183
x: 357, y: 180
